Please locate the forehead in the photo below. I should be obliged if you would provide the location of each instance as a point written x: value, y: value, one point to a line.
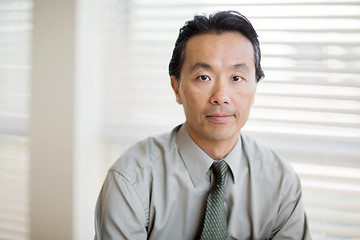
x: 224, y: 48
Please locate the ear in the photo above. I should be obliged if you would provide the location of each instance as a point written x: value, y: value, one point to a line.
x: 175, y: 86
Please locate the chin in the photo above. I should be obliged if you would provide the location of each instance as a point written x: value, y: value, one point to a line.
x: 222, y: 134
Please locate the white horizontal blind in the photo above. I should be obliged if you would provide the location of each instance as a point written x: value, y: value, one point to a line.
x: 307, y: 108
x: 15, y: 42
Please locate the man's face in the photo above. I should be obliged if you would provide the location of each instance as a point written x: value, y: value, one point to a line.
x: 217, y: 86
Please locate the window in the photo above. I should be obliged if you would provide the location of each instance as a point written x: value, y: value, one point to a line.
x: 15, y: 67
x: 307, y: 108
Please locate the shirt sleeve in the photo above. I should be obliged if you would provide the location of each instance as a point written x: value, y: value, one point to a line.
x: 291, y: 221
x: 119, y: 212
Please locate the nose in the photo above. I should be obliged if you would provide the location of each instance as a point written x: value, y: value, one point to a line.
x: 220, y: 94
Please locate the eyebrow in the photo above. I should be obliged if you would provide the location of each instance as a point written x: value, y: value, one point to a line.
x: 242, y: 66
x: 202, y: 65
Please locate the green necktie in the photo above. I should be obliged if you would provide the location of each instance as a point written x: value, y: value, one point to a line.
x: 215, y: 225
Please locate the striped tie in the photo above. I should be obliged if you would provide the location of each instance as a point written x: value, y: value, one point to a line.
x: 215, y: 225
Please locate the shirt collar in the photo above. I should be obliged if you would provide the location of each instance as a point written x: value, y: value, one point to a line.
x: 198, y: 162
x: 233, y: 159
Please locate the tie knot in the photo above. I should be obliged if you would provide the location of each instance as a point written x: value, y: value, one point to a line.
x: 220, y: 170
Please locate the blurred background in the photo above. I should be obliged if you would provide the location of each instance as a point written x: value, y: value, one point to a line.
x: 82, y: 80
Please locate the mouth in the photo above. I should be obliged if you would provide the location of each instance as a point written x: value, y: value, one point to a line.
x: 220, y: 117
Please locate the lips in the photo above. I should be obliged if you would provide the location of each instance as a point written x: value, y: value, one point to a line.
x: 220, y: 117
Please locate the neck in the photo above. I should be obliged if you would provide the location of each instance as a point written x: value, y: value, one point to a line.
x: 216, y: 149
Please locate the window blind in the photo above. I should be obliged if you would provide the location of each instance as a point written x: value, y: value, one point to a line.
x: 15, y: 42
x: 307, y: 108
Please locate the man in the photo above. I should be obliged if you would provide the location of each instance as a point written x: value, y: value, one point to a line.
x: 167, y: 187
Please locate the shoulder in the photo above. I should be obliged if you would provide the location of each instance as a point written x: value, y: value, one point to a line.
x: 261, y: 154
x: 263, y: 160
x: 144, y: 155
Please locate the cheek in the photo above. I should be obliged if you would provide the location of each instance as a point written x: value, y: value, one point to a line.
x: 189, y: 95
x: 192, y: 100
x: 246, y: 99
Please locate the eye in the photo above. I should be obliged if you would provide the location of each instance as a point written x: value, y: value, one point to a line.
x: 204, y: 78
x: 237, y: 79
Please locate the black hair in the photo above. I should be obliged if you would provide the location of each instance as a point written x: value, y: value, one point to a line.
x: 219, y: 22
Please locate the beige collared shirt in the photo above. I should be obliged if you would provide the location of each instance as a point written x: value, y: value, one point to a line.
x: 158, y: 190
